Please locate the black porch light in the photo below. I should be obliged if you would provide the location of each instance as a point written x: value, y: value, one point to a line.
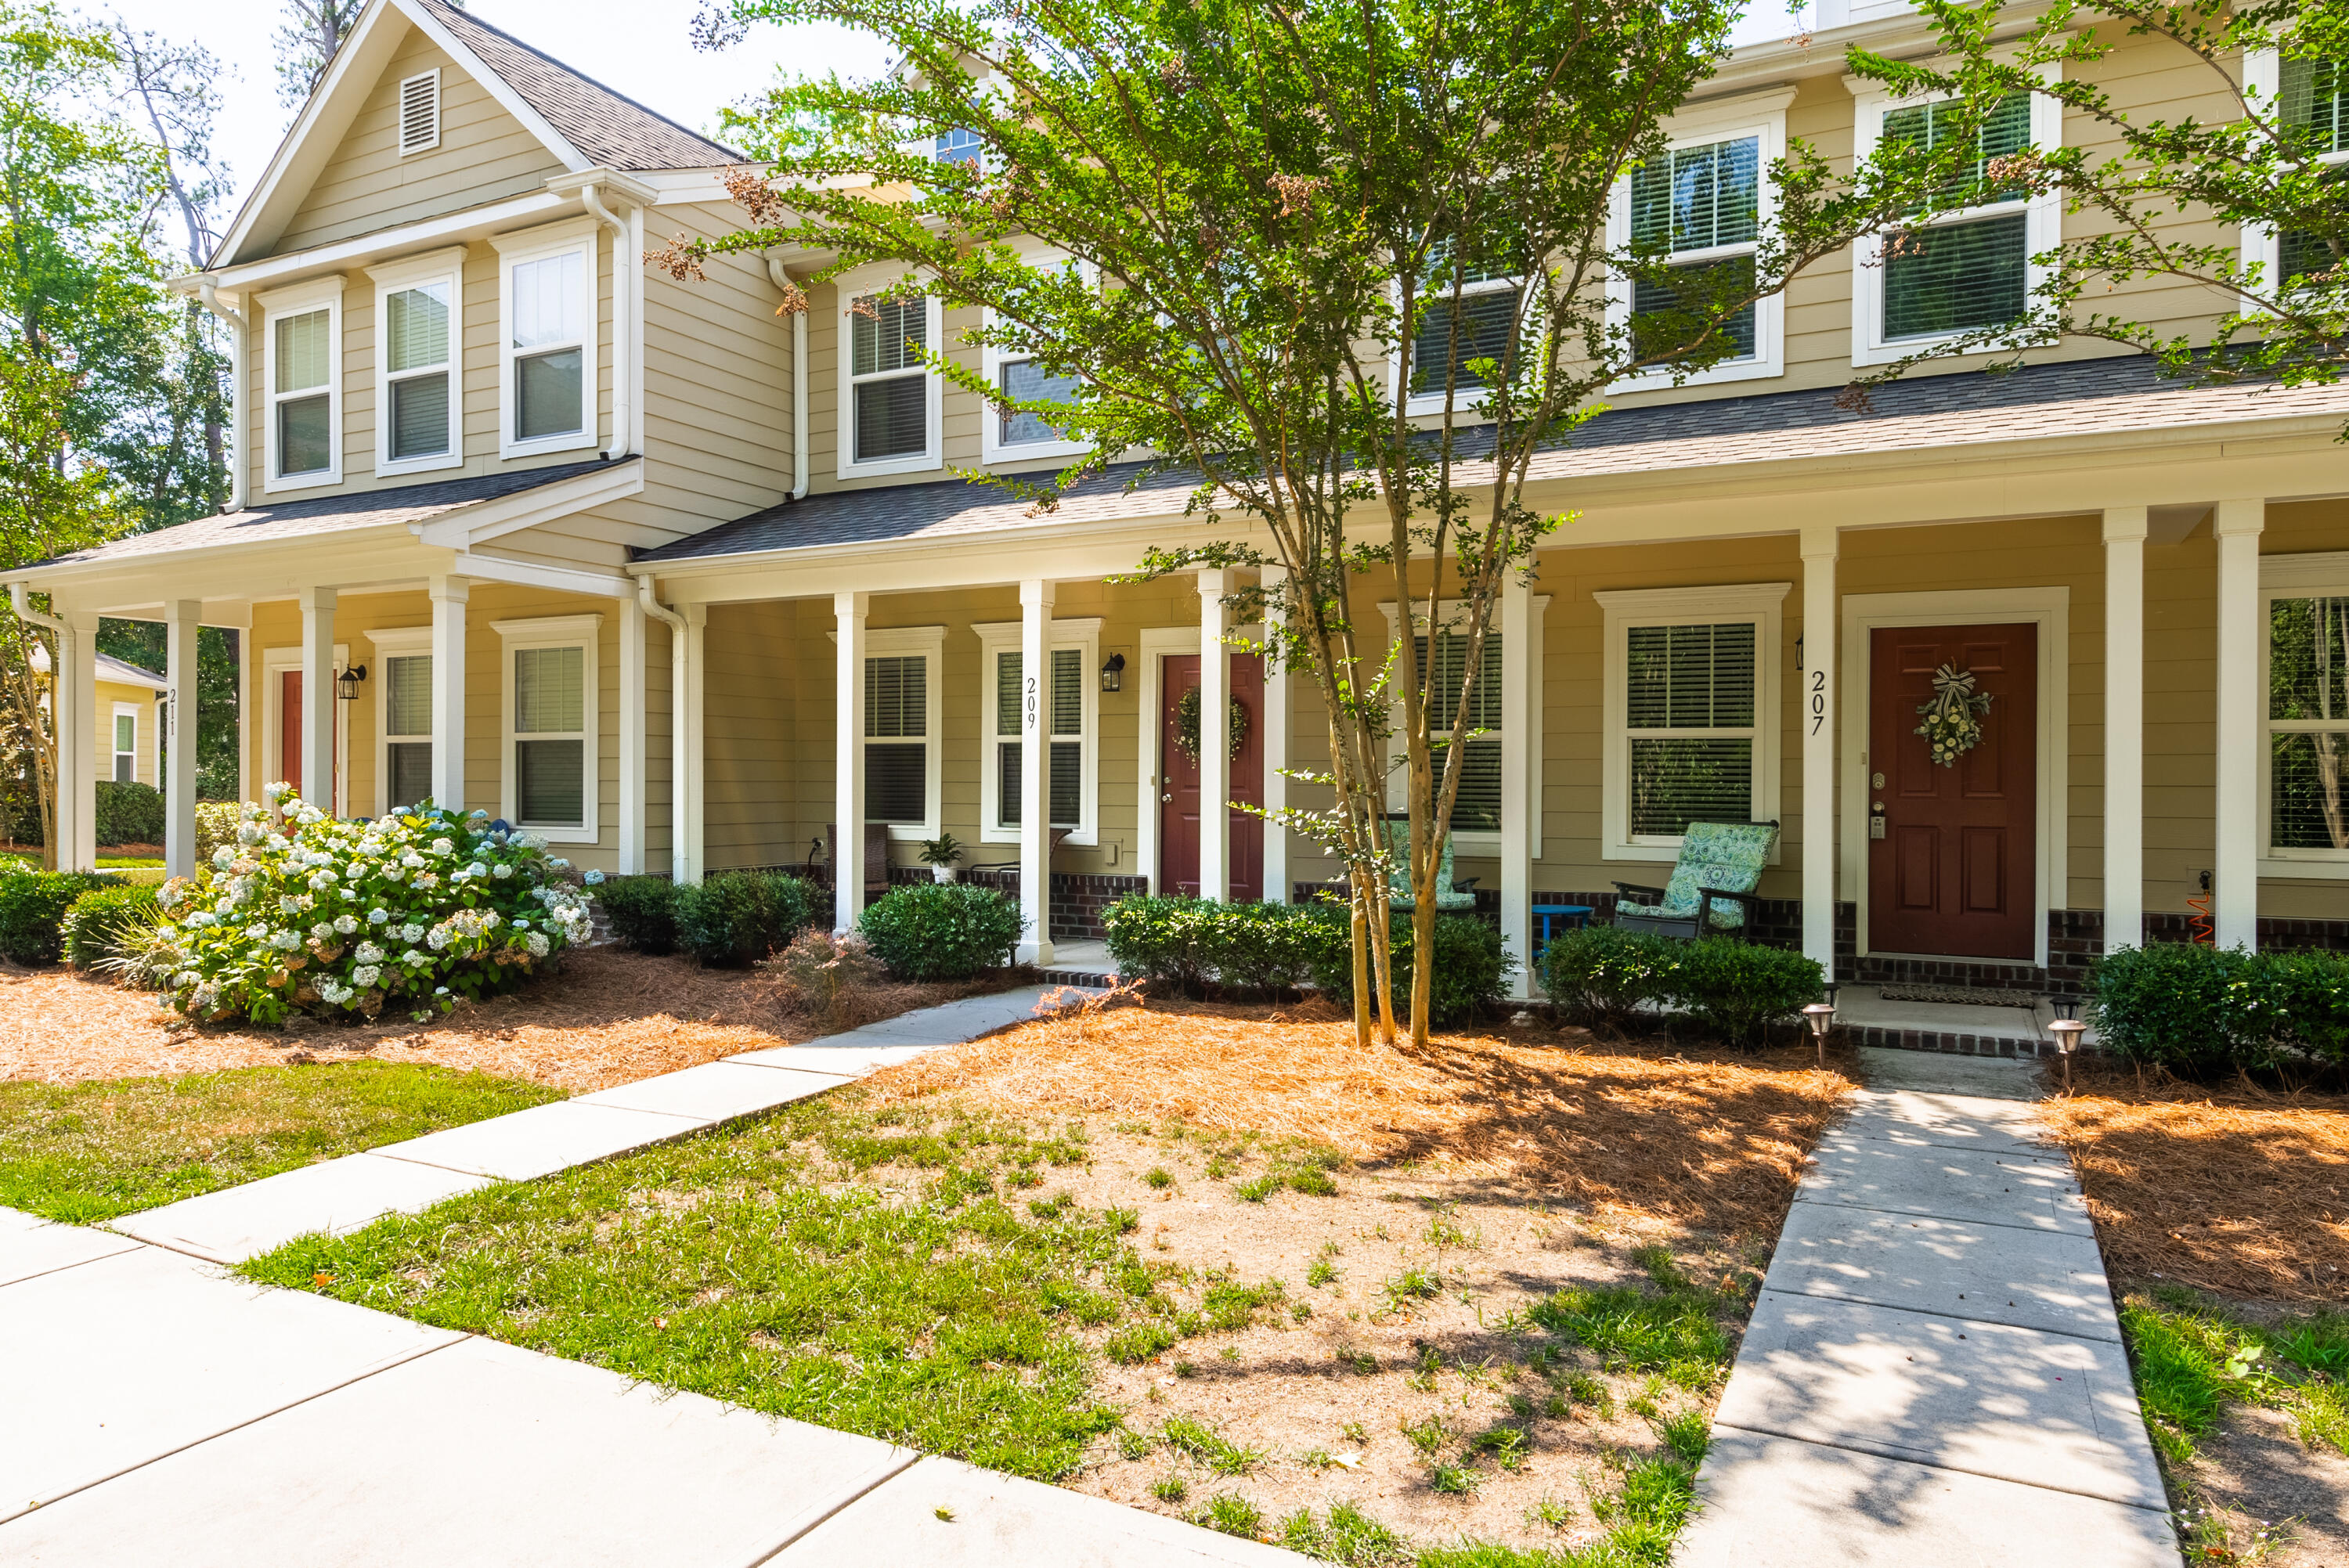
x: 1113, y: 673
x: 347, y: 685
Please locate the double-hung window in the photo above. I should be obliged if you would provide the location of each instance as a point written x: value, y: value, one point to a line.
x: 403, y: 685
x: 418, y: 323
x: 889, y: 398
x: 1069, y: 708
x: 302, y: 338
x: 1476, y: 807
x: 1963, y: 270
x: 901, y: 729
x: 1691, y: 702
x: 546, y: 334
x: 1013, y: 435
x: 1463, y: 344
x: 550, y: 765
x: 125, y: 743
x: 2307, y: 603
x: 2311, y: 97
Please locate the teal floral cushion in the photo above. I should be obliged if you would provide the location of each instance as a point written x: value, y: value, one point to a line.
x: 1446, y: 895
x: 1725, y: 855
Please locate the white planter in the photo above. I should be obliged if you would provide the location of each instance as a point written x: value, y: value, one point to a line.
x: 942, y: 874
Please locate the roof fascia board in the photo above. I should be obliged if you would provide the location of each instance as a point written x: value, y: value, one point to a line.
x: 496, y: 85
x: 478, y: 524
x: 132, y: 676
x: 192, y: 557
x: 278, y: 569
x: 532, y: 575
x: 474, y: 223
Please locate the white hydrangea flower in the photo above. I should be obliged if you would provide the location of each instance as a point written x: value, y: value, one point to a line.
x: 411, y: 932
x: 286, y: 940
x: 377, y: 916
x: 443, y: 847
x: 437, y: 938
x: 414, y: 956
x: 256, y: 932
x: 226, y: 905
x: 502, y: 871
x: 537, y: 944
x: 347, y: 922
x: 365, y: 976
x: 248, y: 834
x: 273, y: 793
x: 309, y: 816
x: 320, y: 931
x: 369, y: 953
x: 223, y: 857
x: 334, y: 992
x: 394, y: 872
x: 412, y: 860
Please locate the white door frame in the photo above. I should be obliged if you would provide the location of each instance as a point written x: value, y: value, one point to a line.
x: 1157, y: 642
x: 275, y: 661
x: 2049, y: 609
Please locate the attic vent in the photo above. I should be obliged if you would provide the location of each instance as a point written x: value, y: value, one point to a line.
x: 419, y: 113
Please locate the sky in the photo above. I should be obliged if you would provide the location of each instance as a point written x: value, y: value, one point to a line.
x: 643, y: 50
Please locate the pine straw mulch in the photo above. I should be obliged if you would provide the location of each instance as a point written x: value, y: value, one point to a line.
x: 1701, y: 1137
x: 2235, y: 1190
x: 603, y: 1018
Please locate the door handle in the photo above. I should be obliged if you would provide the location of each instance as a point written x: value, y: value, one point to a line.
x: 1166, y: 798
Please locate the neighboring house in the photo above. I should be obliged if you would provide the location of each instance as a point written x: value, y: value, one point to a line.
x: 128, y: 712
x: 641, y: 566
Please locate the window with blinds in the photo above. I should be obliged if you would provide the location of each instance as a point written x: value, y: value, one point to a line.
x: 897, y: 740
x: 888, y: 387
x: 1065, y: 718
x: 408, y: 728
x: 1701, y: 207
x: 1973, y: 269
x: 1477, y: 807
x: 302, y: 388
x: 2308, y: 723
x: 1690, y: 718
x: 1024, y: 381
x: 2315, y: 104
x: 418, y: 372
x: 1487, y: 319
x: 551, y: 735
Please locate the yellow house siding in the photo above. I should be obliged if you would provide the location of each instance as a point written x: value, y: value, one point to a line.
x: 110, y: 693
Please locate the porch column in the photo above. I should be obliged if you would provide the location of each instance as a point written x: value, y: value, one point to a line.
x: 74, y: 696
x: 691, y: 861
x: 1035, y: 771
x: 1215, y: 737
x: 318, y: 699
x: 2242, y: 704
x: 180, y: 618
x: 2124, y: 726
x: 632, y: 737
x: 848, y: 612
x: 448, y: 596
x: 1520, y: 821
x: 1276, y: 739
x: 1817, y: 711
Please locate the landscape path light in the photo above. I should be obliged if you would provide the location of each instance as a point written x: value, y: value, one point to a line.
x: 1820, y: 1015
x: 2067, y: 1033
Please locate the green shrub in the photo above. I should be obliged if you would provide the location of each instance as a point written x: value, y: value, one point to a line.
x: 93, y: 929
x: 2305, y: 996
x: 734, y: 919
x: 942, y: 931
x: 1162, y: 939
x: 1739, y: 988
x: 216, y: 824
x: 129, y: 813
x: 1469, y: 972
x: 643, y: 911
x: 1193, y: 942
x: 1601, y: 973
x: 2189, y: 1008
x: 32, y: 907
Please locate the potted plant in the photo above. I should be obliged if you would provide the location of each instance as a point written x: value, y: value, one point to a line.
x: 941, y: 854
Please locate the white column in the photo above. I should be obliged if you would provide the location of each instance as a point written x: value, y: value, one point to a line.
x: 1215, y: 738
x: 1519, y: 815
x: 1276, y: 882
x: 1035, y: 770
x: 691, y: 862
x: 180, y: 618
x: 848, y: 610
x: 75, y: 695
x: 318, y: 700
x: 2124, y: 726
x: 1816, y: 711
x: 449, y: 595
x: 632, y: 737
x: 2241, y: 703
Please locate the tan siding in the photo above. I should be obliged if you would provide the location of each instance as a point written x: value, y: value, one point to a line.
x: 110, y: 693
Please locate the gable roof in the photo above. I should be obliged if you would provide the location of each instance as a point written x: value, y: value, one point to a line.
x: 122, y: 672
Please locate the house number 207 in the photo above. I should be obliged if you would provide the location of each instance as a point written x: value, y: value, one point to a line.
x: 1818, y: 700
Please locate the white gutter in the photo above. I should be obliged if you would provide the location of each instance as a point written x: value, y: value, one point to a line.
x: 783, y: 284
x: 207, y: 291
x: 623, y: 312
x: 679, y: 834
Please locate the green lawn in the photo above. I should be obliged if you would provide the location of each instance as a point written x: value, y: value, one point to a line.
x: 88, y: 1151
x: 2193, y: 1358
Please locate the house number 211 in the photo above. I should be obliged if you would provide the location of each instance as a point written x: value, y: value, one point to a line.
x: 1818, y: 700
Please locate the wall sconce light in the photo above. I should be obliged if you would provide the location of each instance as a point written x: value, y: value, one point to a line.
x: 347, y: 685
x: 1113, y: 673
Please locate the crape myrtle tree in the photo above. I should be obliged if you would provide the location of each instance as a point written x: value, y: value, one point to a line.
x: 1211, y: 222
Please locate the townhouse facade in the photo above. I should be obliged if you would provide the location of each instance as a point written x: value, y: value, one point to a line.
x: 526, y: 525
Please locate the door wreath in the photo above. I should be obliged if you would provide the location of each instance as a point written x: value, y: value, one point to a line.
x: 1187, y: 724
x: 1953, y: 724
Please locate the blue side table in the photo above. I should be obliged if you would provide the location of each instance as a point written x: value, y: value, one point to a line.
x: 1569, y: 916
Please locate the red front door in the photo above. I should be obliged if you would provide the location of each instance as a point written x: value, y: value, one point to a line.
x: 1951, y: 850
x: 1178, y: 794
x: 289, y: 735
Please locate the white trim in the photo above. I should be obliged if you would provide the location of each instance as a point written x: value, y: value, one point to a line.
x: 121, y: 710
x: 2043, y: 218
x: 303, y: 299
x: 1761, y: 604
x: 393, y: 643
x: 1157, y: 643
x: 581, y: 632
x: 2050, y: 609
x: 497, y: 86
x: 928, y: 644
x: 1084, y: 633
x: 2261, y: 242
x: 1761, y: 116
x: 1476, y: 842
x: 484, y: 522
x: 408, y: 149
x: 275, y: 663
x: 848, y: 288
x: 2309, y: 576
x: 581, y: 236
x: 443, y: 266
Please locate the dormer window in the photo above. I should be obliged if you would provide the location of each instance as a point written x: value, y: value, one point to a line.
x: 302, y: 378
x: 959, y: 146
x: 546, y: 307
x: 419, y: 393
x: 419, y: 112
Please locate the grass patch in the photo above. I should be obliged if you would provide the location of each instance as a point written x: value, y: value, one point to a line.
x: 1345, y: 1535
x: 1672, y: 1331
x: 1233, y: 1514
x: 86, y: 1152
x: 1208, y: 1447
x: 2192, y: 1359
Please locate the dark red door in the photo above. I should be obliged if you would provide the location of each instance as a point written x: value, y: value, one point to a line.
x: 289, y: 728
x: 1951, y: 848
x: 1178, y: 794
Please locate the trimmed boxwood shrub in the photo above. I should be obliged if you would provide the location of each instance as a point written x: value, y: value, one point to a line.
x: 643, y: 911
x: 1601, y: 974
x: 2307, y: 996
x: 1193, y: 942
x: 2201, y: 1011
x: 1740, y: 988
x: 1469, y: 972
x: 942, y: 931
x: 734, y: 919
x: 32, y: 907
x: 94, y: 927
x: 129, y: 813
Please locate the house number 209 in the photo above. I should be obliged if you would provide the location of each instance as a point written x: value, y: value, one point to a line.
x: 1031, y: 721
x: 1818, y: 700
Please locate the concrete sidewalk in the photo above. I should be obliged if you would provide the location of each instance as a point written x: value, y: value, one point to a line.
x: 1934, y: 1372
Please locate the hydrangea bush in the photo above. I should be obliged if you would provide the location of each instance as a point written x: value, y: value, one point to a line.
x: 344, y: 919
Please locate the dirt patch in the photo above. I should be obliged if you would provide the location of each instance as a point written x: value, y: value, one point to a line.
x: 2254, y: 1469
x: 605, y: 1017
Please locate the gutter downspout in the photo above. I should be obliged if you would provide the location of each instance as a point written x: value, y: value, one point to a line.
x: 679, y: 832
x: 782, y: 281
x: 208, y: 292
x: 624, y: 314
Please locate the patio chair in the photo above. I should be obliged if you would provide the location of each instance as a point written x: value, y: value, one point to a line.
x: 1450, y: 894
x: 1719, y: 866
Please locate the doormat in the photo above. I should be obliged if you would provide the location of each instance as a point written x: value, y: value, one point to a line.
x: 1959, y: 995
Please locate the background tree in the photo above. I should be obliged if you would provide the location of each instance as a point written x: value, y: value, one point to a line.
x: 308, y: 33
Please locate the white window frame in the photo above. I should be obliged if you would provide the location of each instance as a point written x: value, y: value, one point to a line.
x: 1761, y: 116
x: 319, y: 294
x: 584, y: 632
x: 537, y: 245
x: 2316, y: 576
x: 929, y: 645
x: 446, y: 266
x: 1084, y: 633
x: 1465, y: 399
x: 852, y: 287
x: 993, y: 448
x: 1477, y: 840
x: 125, y: 710
x: 400, y: 109
x: 2042, y: 217
x: 392, y: 643
x: 2262, y: 243
x: 1763, y: 605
